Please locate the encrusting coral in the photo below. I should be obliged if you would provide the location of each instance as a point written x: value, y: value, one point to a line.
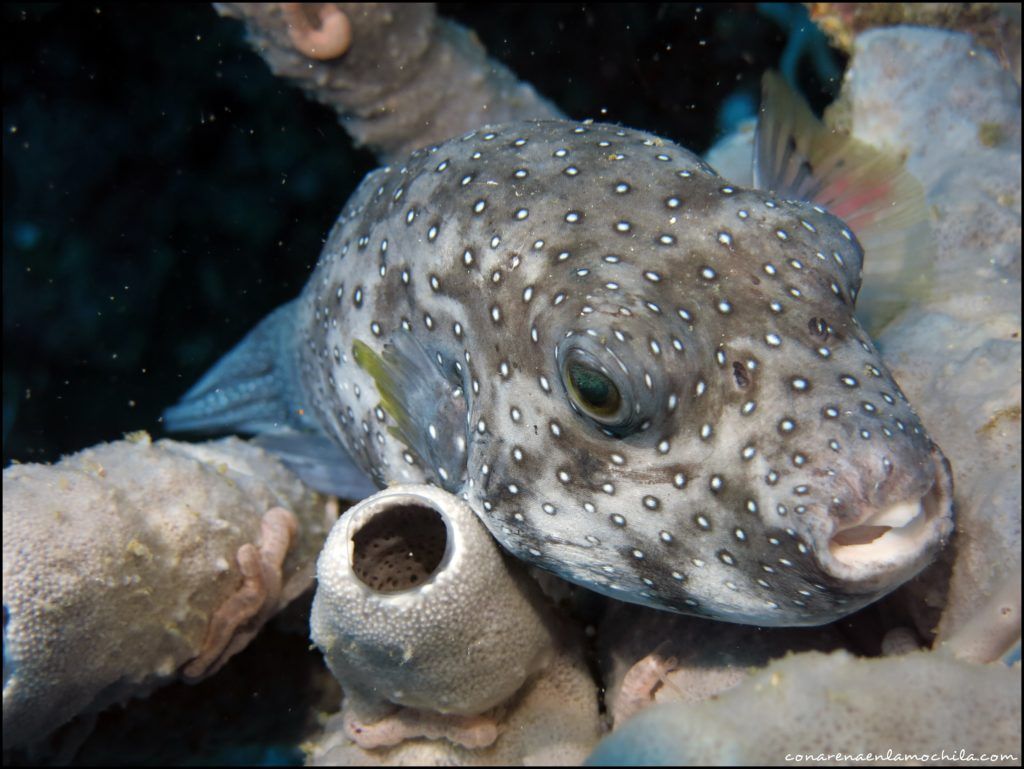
x: 240, y: 617
x: 649, y: 657
x: 552, y: 721
x: 327, y: 36
x: 969, y: 162
x: 416, y: 607
x: 994, y: 25
x: 994, y: 628
x: 133, y: 563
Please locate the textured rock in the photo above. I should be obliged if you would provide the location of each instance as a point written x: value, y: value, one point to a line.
x: 124, y: 563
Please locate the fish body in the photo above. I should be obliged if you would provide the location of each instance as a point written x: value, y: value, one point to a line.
x: 641, y: 377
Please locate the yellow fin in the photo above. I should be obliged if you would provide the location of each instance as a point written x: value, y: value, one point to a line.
x: 384, y: 376
x: 425, y: 402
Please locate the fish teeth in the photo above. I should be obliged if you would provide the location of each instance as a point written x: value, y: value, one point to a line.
x: 898, y: 515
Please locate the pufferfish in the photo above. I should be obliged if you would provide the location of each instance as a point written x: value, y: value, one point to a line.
x: 641, y: 377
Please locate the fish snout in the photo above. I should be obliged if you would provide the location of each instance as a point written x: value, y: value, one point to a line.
x: 902, y: 515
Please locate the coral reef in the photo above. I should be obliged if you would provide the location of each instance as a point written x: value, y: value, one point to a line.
x: 192, y: 542
x: 969, y: 393
x: 822, y: 707
x: 552, y: 721
x: 406, y: 577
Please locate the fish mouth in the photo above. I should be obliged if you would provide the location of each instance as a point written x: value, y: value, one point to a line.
x: 895, y: 542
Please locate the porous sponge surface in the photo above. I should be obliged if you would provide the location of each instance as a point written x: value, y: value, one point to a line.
x: 462, y: 638
x: 822, y: 705
x: 115, y: 559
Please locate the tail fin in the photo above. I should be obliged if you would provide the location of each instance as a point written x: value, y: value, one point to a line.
x: 252, y: 389
x: 255, y: 389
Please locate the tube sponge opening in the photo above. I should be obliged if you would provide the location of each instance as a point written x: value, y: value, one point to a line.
x: 416, y: 606
x: 399, y: 548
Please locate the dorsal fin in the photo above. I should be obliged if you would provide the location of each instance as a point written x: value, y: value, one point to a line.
x: 799, y: 157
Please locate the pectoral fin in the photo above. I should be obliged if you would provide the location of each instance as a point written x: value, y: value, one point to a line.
x: 425, y: 400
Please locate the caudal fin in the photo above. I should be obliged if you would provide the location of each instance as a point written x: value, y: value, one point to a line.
x: 798, y: 157
x: 252, y: 389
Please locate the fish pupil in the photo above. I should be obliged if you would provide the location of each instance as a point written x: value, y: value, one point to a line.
x: 594, y: 390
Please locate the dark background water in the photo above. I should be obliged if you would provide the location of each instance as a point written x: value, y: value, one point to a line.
x: 162, y: 191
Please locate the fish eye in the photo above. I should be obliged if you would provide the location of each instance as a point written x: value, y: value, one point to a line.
x: 597, y: 393
x: 592, y: 391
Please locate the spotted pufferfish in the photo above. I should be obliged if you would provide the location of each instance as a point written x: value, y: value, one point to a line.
x: 641, y: 377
